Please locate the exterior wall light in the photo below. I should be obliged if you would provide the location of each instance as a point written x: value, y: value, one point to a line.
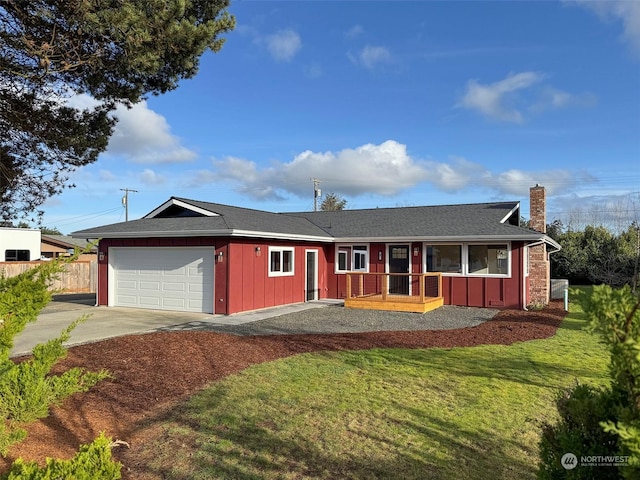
x: 220, y: 256
x: 257, y: 251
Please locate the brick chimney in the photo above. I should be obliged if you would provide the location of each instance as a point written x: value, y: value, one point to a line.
x: 539, y: 268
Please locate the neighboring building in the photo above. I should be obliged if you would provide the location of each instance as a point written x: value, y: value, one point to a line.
x: 19, y: 244
x: 54, y: 246
x: 207, y: 257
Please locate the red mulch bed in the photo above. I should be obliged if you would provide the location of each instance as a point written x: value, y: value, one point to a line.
x: 153, y: 372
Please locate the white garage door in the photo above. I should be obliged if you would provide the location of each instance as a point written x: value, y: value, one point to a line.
x: 163, y: 278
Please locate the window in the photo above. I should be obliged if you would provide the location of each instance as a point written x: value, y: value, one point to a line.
x: 488, y: 259
x: 352, y: 258
x: 359, y: 258
x: 280, y: 261
x: 444, y: 258
x: 344, y: 259
x: 17, y: 255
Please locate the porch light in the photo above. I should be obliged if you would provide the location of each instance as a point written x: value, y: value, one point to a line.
x: 220, y: 256
x: 257, y: 251
x: 379, y: 255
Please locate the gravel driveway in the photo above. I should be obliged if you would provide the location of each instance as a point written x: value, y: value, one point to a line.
x: 337, y: 319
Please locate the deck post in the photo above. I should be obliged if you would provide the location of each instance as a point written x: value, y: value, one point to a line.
x: 421, y: 284
x: 385, y: 286
x: 348, y: 285
x: 361, y: 284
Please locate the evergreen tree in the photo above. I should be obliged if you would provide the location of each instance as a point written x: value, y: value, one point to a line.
x: 332, y: 202
x: 117, y: 52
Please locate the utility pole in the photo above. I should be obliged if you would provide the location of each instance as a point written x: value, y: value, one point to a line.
x: 317, y: 193
x: 125, y: 201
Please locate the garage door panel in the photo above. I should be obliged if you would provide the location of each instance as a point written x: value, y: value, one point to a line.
x: 126, y: 300
x: 174, y: 303
x: 149, y: 286
x: 149, y: 301
x: 127, y: 284
x: 164, y: 278
x: 173, y: 287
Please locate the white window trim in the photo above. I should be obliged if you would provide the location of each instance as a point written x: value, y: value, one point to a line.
x: 465, y: 260
x: 353, y: 257
x: 444, y: 274
x: 293, y: 261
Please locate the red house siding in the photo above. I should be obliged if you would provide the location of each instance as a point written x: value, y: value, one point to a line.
x: 493, y: 292
x: 249, y: 285
x: 242, y: 282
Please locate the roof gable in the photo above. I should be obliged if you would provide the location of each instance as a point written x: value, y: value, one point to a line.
x: 176, y: 207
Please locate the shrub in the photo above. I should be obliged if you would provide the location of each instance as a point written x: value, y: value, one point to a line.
x: 578, y: 431
x: 602, y: 421
x: 27, y: 388
x: 92, y: 462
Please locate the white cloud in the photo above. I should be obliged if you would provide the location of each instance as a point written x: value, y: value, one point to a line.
x: 144, y: 136
x: 107, y: 176
x: 314, y: 70
x: 625, y: 11
x: 385, y: 169
x: 370, y: 57
x: 552, y: 98
x: 507, y: 100
x: 149, y: 177
x: 283, y: 45
x: 354, y: 31
x: 454, y: 176
x: 141, y: 135
x: 494, y: 100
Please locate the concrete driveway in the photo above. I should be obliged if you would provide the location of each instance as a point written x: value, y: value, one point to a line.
x: 108, y: 322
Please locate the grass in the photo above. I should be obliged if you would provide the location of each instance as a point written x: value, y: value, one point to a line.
x: 384, y: 413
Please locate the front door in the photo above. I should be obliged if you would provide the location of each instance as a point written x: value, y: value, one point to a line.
x: 312, y: 275
x: 399, y: 263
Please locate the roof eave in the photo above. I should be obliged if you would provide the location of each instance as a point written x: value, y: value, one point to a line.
x: 439, y: 238
x: 203, y: 233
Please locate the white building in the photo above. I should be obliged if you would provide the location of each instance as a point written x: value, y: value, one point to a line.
x: 19, y: 244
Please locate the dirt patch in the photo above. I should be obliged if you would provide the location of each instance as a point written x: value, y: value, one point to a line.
x: 153, y: 372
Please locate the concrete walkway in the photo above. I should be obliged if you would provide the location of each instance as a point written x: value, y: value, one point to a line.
x: 108, y: 322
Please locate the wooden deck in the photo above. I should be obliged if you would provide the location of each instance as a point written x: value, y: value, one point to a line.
x: 365, y: 293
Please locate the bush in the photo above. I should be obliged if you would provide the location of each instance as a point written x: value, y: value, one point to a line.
x: 92, y: 462
x: 27, y: 388
x: 578, y: 431
x: 602, y: 422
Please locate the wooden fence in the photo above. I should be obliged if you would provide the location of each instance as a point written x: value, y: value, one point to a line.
x: 77, y: 277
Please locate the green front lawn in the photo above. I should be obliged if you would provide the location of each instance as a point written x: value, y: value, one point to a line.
x: 463, y: 413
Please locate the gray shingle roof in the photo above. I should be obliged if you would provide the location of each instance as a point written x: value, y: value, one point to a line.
x: 481, y: 220
x: 66, y: 241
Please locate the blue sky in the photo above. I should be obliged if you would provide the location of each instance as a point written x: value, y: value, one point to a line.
x: 388, y: 104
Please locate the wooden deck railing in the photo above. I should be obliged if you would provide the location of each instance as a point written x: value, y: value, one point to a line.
x: 384, y: 284
x: 394, y: 291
